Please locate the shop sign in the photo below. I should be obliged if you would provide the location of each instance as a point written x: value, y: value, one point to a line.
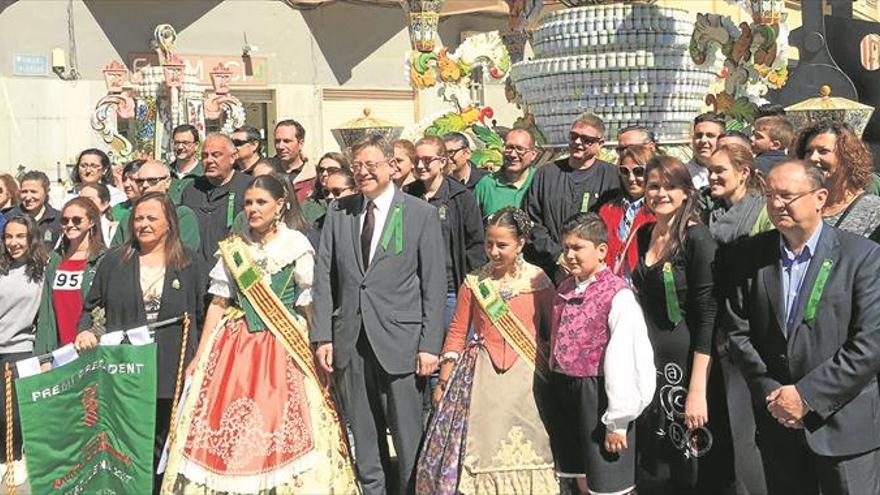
x: 250, y: 71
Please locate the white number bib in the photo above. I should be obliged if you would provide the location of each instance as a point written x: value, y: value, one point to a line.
x: 67, y: 280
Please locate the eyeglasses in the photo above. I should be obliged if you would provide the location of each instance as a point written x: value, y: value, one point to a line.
x: 453, y: 152
x: 635, y: 171
x: 356, y: 167
x: 427, y: 160
x: 76, y: 221
x: 623, y: 147
x: 237, y: 142
x: 322, y: 170
x: 787, y: 201
x: 91, y: 166
x: 584, y: 138
x: 149, y: 181
x: 519, y: 150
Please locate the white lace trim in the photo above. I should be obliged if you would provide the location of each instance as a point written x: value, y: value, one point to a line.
x: 285, y: 248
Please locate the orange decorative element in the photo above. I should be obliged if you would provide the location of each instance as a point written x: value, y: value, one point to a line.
x: 173, y: 71
x: 449, y: 69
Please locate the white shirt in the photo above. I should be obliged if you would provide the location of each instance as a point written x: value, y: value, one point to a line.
x: 699, y: 174
x: 382, y: 205
x: 630, y: 376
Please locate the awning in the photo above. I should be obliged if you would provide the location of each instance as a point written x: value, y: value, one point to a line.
x: 450, y: 7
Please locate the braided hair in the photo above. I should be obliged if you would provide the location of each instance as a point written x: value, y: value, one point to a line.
x: 513, y: 219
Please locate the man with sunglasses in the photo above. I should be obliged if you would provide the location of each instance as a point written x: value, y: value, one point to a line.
x: 248, y: 142
x: 635, y: 135
x: 582, y: 182
x: 460, y: 168
x: 508, y: 186
x: 801, y: 307
x: 186, y: 166
x: 155, y: 176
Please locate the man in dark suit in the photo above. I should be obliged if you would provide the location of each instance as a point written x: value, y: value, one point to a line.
x: 802, y: 309
x: 379, y: 294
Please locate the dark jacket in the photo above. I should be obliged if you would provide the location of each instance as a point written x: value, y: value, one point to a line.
x: 49, y: 225
x: 832, y: 360
x: 46, y: 339
x: 462, y: 225
x: 117, y: 289
x: 766, y: 160
x: 477, y: 173
x: 554, y: 197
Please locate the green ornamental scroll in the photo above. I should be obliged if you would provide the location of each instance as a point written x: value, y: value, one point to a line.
x: 88, y: 426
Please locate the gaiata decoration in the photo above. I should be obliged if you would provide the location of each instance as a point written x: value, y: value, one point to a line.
x: 754, y: 59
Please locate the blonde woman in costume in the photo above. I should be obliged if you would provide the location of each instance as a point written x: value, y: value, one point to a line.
x: 256, y: 419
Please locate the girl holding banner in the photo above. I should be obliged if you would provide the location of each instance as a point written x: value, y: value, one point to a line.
x: 485, y: 402
x: 23, y: 260
x: 256, y: 418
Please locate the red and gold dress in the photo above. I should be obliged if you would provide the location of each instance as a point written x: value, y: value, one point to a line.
x: 254, y: 418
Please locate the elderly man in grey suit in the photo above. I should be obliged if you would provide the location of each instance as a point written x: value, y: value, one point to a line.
x: 802, y: 308
x: 379, y: 294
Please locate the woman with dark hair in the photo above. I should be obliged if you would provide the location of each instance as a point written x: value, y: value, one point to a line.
x: 34, y: 191
x: 93, y: 166
x: 315, y: 206
x: 254, y: 350
x: 152, y: 277
x: 69, y: 275
x: 100, y: 196
x: 849, y: 171
x: 9, y: 196
x: 675, y: 286
x: 735, y: 206
x: 486, y: 391
x: 295, y: 216
x: 23, y: 259
x: 624, y: 215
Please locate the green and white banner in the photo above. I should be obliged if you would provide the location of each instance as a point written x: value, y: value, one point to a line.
x: 88, y: 426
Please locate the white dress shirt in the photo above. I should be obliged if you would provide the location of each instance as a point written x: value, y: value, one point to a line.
x: 630, y: 376
x: 382, y: 205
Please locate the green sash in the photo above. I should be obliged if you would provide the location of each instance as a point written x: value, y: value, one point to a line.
x: 818, y: 289
x: 508, y: 325
x: 673, y: 307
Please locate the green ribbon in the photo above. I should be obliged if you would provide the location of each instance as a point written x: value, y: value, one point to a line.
x: 493, y: 303
x: 395, y: 229
x: 673, y: 309
x: 230, y: 209
x: 818, y: 288
x: 585, y: 202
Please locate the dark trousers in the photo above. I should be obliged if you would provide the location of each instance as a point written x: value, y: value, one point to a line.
x: 791, y: 467
x: 11, y: 358
x: 372, y: 399
x: 163, y: 426
x: 746, y: 456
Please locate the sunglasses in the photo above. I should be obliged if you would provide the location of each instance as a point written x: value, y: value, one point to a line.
x: 76, y: 221
x: 635, y: 171
x: 240, y: 142
x: 584, y: 138
x: 149, y: 181
x: 337, y: 191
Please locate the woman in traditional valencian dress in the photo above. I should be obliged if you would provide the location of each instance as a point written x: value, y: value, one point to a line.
x: 486, y: 435
x: 255, y: 418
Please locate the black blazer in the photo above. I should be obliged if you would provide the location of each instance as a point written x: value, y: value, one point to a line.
x: 832, y: 361
x: 117, y: 289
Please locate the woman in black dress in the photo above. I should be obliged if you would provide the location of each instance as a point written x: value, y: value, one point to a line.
x: 675, y: 286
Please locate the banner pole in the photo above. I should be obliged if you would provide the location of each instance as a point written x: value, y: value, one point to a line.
x: 10, y: 461
x: 179, y: 381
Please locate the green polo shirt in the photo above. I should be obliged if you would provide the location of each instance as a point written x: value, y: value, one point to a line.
x: 179, y: 183
x: 494, y: 193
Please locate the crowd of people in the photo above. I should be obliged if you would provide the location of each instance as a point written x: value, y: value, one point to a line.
x: 575, y: 326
